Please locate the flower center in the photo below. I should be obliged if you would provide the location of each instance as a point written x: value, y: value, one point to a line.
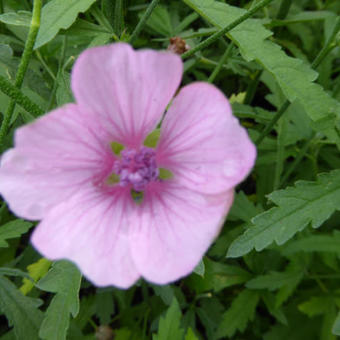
x: 136, y: 168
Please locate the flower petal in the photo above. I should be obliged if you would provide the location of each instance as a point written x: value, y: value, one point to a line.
x: 129, y: 90
x: 91, y: 229
x: 202, y: 143
x: 173, y: 229
x: 52, y: 158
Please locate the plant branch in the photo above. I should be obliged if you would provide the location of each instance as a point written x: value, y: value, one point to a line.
x: 32, y: 34
x: 143, y: 20
x: 226, y: 29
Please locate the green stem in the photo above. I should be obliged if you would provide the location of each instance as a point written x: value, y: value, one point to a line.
x: 270, y: 125
x: 328, y: 45
x: 218, y: 67
x: 101, y: 18
x: 252, y: 88
x: 297, y: 161
x: 47, y: 68
x: 32, y: 34
x: 60, y: 67
x: 279, y: 156
x: 15, y: 94
x: 118, y: 18
x: 284, y: 9
x: 108, y: 8
x: 186, y: 22
x: 143, y: 20
x: 316, y: 62
x: 226, y: 29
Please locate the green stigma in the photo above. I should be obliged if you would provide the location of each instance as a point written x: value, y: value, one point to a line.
x: 152, y: 139
x: 137, y: 196
x: 116, y: 148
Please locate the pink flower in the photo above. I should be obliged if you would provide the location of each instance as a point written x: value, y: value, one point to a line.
x: 63, y: 171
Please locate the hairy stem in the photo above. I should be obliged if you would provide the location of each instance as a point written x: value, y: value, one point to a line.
x: 143, y: 20
x: 14, y: 93
x: 222, y: 60
x: 284, y: 9
x: 226, y: 29
x: 32, y: 34
x: 118, y: 18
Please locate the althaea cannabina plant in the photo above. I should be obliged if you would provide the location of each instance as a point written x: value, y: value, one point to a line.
x: 67, y: 169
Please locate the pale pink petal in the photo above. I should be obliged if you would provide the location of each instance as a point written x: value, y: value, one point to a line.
x: 52, y: 158
x: 129, y: 90
x: 202, y: 143
x: 91, y: 229
x: 173, y: 229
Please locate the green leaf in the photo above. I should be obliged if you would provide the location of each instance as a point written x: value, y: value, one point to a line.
x: 20, y: 18
x: 218, y: 276
x: 36, y: 271
x: 57, y: 15
x: 190, y: 335
x: 242, y: 208
x: 14, y: 272
x: 336, y: 325
x: 270, y: 302
x: 160, y: 21
x: 200, y: 268
x: 64, y: 280
x: 104, y: 306
x: 21, y: 311
x: 294, y: 77
x: 165, y: 292
x: 316, y: 305
x: 13, y: 229
x: 315, y: 243
x: 169, y: 325
x: 242, y: 311
x: 63, y: 93
x: 275, y: 280
x: 307, y: 202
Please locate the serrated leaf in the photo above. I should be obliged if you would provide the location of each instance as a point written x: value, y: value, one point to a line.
x: 315, y: 243
x: 13, y: 229
x: 295, y: 78
x: 21, y: 311
x: 64, y: 280
x: 242, y: 311
x: 218, y: 276
x: 307, y: 202
x: 316, y: 305
x: 269, y: 300
x: 275, y: 280
x: 57, y: 15
x: 36, y: 271
x: 20, y: 18
x: 169, y: 325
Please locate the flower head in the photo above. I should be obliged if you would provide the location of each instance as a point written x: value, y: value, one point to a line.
x: 84, y: 171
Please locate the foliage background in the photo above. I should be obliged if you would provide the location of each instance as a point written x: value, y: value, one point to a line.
x: 274, y: 271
